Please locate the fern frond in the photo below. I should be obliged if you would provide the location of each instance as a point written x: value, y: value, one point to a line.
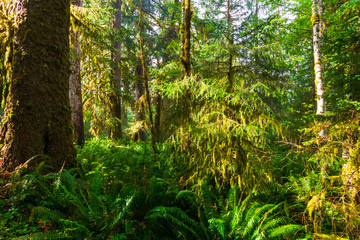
x: 286, y: 231
x: 48, y: 213
x: 219, y: 225
x: 176, y: 216
x: 77, y: 227
x: 124, y: 210
x: 186, y: 194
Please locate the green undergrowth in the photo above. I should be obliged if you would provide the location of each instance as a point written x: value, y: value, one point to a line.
x: 123, y: 191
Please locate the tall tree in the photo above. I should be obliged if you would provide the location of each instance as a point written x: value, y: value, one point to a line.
x: 115, y: 131
x: 37, y: 120
x: 146, y: 78
x: 230, y: 41
x: 76, y: 104
x: 317, y: 23
x: 162, y: 103
x: 186, y: 38
x: 185, y: 59
x: 139, y: 135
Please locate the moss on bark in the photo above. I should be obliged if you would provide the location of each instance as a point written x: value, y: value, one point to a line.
x: 40, y: 75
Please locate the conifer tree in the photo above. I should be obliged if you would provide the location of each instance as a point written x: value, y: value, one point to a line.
x: 115, y: 131
x: 76, y: 104
x: 37, y: 120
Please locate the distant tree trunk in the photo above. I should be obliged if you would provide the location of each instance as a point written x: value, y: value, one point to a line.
x: 139, y: 108
x: 230, y: 40
x: 77, y: 118
x: 37, y: 121
x: 161, y: 101
x: 115, y: 131
x: 317, y: 14
x: 186, y: 38
x: 146, y: 78
x: 157, y: 126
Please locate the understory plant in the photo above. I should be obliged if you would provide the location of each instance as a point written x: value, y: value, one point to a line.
x: 202, y: 214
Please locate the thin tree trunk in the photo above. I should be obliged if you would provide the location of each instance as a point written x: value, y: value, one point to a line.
x: 231, y: 43
x: 186, y: 62
x: 158, y: 105
x: 146, y: 81
x: 77, y: 118
x: 185, y: 59
x: 139, y: 108
x: 317, y: 14
x: 115, y: 131
x: 37, y: 121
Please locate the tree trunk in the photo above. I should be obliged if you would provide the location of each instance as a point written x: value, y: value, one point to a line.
x: 37, y: 121
x: 186, y: 38
x: 146, y: 81
x: 185, y: 60
x: 115, y: 131
x: 230, y: 39
x: 317, y: 14
x: 157, y: 126
x: 139, y: 108
x: 77, y: 117
x: 161, y: 112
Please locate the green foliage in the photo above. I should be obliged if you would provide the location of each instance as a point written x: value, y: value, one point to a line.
x: 228, y: 218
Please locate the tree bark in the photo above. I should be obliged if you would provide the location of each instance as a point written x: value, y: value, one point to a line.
x: 77, y: 117
x: 37, y: 121
x: 139, y: 108
x: 146, y: 81
x: 185, y: 59
x: 317, y: 14
x: 186, y: 38
x: 115, y: 131
x: 230, y: 40
x: 162, y: 103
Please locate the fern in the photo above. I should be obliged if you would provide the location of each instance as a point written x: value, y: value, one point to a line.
x: 48, y: 213
x: 219, y: 225
x: 286, y: 231
x: 178, y: 217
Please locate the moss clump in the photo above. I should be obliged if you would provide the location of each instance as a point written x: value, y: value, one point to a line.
x: 315, y: 18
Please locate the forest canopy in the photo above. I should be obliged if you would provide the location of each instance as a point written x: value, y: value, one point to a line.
x: 180, y: 119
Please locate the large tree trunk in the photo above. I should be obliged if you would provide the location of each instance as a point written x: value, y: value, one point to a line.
x: 37, y: 121
x: 317, y: 14
x: 115, y: 131
x: 77, y: 118
x: 139, y: 105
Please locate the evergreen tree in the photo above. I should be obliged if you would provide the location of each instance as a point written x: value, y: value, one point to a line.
x: 37, y: 121
x: 76, y: 104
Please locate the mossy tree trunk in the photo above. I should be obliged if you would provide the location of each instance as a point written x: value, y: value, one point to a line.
x: 37, y: 120
x: 186, y: 38
x: 77, y: 117
x: 317, y: 24
x: 115, y: 131
x: 139, y: 104
x: 163, y: 103
x: 185, y: 59
x: 230, y: 41
x: 146, y: 79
